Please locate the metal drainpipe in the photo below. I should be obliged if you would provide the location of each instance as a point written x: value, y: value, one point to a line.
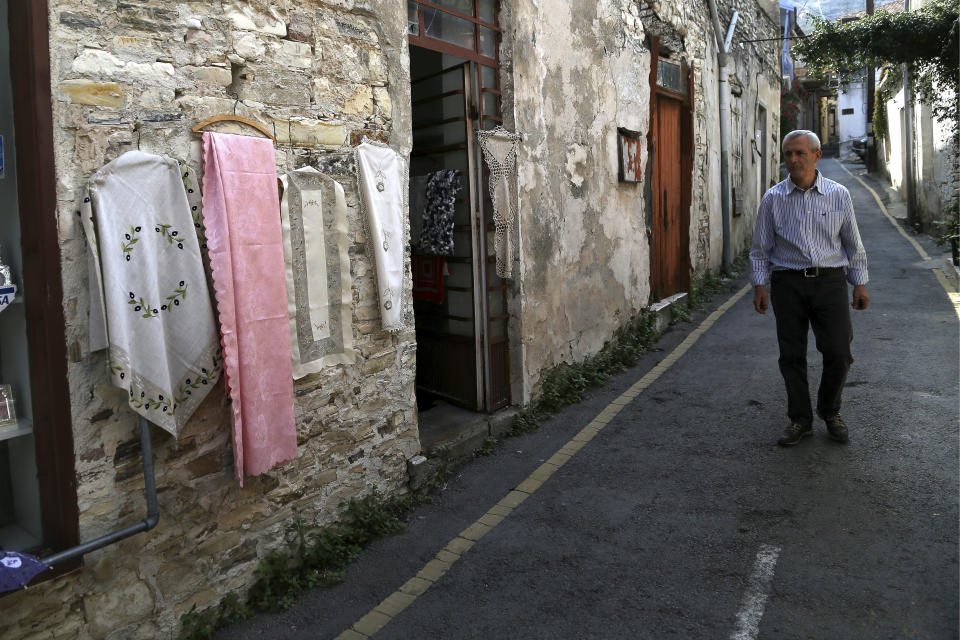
x: 153, y: 512
x: 908, y: 155
x: 722, y: 50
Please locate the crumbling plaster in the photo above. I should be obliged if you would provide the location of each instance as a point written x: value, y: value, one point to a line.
x: 579, y: 71
x: 577, y: 76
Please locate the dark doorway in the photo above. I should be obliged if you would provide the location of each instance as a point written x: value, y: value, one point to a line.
x: 459, y: 301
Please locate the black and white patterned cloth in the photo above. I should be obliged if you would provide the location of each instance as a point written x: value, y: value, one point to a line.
x: 436, y: 235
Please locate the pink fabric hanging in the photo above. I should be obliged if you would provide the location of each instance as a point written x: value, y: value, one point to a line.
x: 241, y: 215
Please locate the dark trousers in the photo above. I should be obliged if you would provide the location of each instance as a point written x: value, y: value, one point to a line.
x: 821, y: 303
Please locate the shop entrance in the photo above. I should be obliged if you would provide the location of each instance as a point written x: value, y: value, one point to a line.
x: 459, y: 301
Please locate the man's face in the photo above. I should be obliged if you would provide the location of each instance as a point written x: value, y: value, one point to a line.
x: 801, y: 161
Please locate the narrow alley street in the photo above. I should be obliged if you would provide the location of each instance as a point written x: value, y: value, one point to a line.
x: 680, y: 517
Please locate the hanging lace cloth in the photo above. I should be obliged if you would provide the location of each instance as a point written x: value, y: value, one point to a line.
x: 382, y: 178
x: 313, y: 214
x: 436, y: 236
x: 500, y: 152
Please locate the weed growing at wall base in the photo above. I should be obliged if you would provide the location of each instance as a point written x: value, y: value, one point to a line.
x: 566, y: 383
x: 310, y: 559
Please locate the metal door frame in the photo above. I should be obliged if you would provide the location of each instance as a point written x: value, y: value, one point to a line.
x: 476, y: 118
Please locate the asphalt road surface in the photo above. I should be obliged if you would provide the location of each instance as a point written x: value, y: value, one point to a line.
x: 682, y: 518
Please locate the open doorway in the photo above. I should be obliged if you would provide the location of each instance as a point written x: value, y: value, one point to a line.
x: 459, y: 301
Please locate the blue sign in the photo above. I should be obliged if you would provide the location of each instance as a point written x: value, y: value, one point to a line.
x: 7, y: 294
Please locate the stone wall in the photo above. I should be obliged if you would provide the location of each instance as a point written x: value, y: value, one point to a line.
x: 320, y: 73
x: 755, y: 83
x: 579, y: 71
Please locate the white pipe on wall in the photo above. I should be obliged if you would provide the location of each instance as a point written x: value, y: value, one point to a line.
x: 722, y: 51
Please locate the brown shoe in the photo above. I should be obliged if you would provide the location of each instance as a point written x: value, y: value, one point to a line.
x: 794, y: 434
x: 836, y: 429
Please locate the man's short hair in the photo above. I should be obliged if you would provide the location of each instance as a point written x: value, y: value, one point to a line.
x: 812, y: 139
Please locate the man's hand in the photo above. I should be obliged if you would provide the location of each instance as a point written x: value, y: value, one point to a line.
x: 861, y: 299
x: 761, y: 299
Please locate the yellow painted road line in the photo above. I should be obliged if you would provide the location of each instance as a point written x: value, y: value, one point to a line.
x: 407, y: 594
x: 893, y: 221
x: 951, y: 289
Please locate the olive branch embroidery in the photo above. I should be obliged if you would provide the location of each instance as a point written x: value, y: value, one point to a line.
x: 173, y: 300
x: 188, y: 184
x: 171, y: 236
x: 186, y: 389
x: 149, y: 311
x: 143, y: 401
x: 139, y: 304
x: 163, y: 403
x: 129, y: 240
x: 117, y: 369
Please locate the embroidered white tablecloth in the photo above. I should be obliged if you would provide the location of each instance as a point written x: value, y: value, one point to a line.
x: 382, y: 178
x: 150, y: 304
x: 316, y: 245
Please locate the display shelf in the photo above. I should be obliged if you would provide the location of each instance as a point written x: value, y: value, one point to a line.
x: 13, y: 536
x: 23, y: 427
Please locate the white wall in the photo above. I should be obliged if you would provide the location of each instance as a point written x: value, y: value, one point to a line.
x: 851, y: 126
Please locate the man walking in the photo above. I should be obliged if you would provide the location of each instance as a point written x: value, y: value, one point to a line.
x: 807, y: 247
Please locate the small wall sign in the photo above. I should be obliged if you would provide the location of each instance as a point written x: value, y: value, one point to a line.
x: 7, y: 293
x: 629, y: 151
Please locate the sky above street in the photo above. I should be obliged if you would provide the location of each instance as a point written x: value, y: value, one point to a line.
x: 829, y: 9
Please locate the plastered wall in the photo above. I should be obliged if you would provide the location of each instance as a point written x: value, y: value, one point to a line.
x: 579, y: 71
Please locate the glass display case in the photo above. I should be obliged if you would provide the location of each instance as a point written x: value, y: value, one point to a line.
x: 20, y: 514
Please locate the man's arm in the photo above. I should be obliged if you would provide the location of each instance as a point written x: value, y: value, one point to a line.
x: 857, y: 273
x: 760, y: 254
x: 761, y: 299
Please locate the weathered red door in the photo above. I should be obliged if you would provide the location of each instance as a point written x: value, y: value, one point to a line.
x: 667, y: 250
x: 671, y: 149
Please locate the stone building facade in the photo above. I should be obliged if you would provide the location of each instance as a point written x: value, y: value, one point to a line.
x: 321, y: 74
x: 580, y: 71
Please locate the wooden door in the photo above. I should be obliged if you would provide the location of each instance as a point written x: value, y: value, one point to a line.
x: 671, y: 169
x: 668, y: 266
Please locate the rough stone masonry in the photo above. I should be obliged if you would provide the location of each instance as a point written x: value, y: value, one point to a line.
x: 130, y: 75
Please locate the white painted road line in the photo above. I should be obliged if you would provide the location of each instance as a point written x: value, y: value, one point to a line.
x: 755, y: 599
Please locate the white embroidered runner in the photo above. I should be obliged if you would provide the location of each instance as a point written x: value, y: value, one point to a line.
x: 319, y: 286
x: 156, y: 316
x: 500, y: 151
x: 382, y: 180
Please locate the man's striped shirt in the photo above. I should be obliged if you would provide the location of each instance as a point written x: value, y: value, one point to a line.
x: 797, y: 229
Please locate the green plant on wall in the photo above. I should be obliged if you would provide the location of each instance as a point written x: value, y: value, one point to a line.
x: 925, y: 41
x: 891, y: 81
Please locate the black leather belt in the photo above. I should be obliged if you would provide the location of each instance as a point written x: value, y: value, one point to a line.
x: 813, y: 272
